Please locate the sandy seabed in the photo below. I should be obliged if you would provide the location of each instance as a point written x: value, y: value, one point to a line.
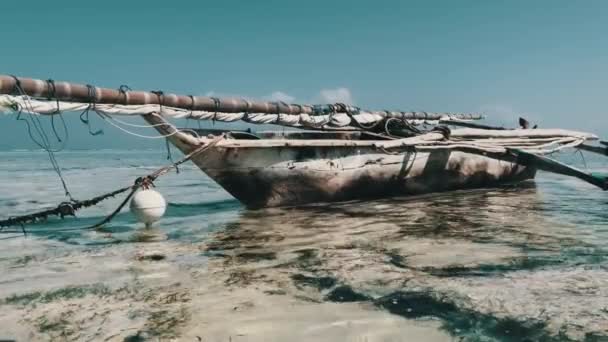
x: 171, y: 291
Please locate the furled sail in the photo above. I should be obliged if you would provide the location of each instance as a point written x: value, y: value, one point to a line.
x: 354, y: 120
x: 49, y: 97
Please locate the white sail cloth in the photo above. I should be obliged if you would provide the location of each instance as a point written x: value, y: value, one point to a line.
x: 10, y: 103
x: 540, y: 141
x: 537, y: 140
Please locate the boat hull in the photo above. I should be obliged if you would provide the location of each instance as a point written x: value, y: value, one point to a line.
x: 286, y: 176
x: 271, y: 173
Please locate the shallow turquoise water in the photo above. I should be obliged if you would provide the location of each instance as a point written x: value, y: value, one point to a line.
x: 516, y: 263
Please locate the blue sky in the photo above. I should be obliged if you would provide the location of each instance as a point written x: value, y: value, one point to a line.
x: 543, y: 59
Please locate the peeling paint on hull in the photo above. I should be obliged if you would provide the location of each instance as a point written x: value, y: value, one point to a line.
x: 285, y: 176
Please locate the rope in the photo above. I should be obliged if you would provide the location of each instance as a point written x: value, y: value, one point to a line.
x: 109, y: 120
x: 169, y: 157
x: 346, y: 109
x: 134, y: 188
x: 124, y: 89
x: 130, y: 124
x: 217, y: 103
x: 69, y: 208
x: 52, y: 95
x: 92, y: 94
x: 160, y: 94
x: 62, y: 210
x: 147, y: 181
x: 191, y: 110
x: 246, y: 112
x: 583, y: 159
x: 37, y: 124
x: 407, y: 125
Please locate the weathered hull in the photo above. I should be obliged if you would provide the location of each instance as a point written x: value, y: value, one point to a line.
x: 287, y: 171
x: 293, y: 175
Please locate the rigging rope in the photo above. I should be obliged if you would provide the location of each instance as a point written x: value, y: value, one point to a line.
x: 169, y: 156
x: 110, y: 120
x: 44, y: 143
x: 69, y: 208
x: 92, y: 93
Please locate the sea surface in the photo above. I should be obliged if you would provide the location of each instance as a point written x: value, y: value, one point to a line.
x: 519, y: 263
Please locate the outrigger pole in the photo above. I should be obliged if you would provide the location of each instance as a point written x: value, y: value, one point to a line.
x: 73, y: 92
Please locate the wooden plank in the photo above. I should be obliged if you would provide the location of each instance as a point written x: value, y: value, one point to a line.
x: 551, y: 165
x: 474, y: 133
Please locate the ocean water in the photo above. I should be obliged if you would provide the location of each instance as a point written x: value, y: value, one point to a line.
x: 519, y: 263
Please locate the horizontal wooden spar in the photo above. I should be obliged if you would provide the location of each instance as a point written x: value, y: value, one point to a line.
x: 475, y: 133
x: 595, y: 149
x: 73, y: 92
x: 65, y: 91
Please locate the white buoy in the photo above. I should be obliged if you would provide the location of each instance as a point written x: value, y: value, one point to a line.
x: 148, y: 206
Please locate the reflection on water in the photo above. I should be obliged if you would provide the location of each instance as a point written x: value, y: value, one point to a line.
x: 517, y: 263
x: 467, y: 258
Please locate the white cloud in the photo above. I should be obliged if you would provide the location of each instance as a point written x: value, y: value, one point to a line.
x: 279, y: 96
x: 336, y: 95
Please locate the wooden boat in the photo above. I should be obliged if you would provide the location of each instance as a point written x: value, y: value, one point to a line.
x: 298, y: 167
x: 334, y: 156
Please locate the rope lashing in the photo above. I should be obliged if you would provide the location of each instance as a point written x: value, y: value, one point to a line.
x: 160, y: 94
x: 346, y: 109
x: 52, y: 95
x: 246, y: 111
x: 84, y: 116
x: 17, y: 88
x: 124, y: 90
x: 191, y: 110
x: 217, y: 103
x: 445, y: 130
x: 91, y: 94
